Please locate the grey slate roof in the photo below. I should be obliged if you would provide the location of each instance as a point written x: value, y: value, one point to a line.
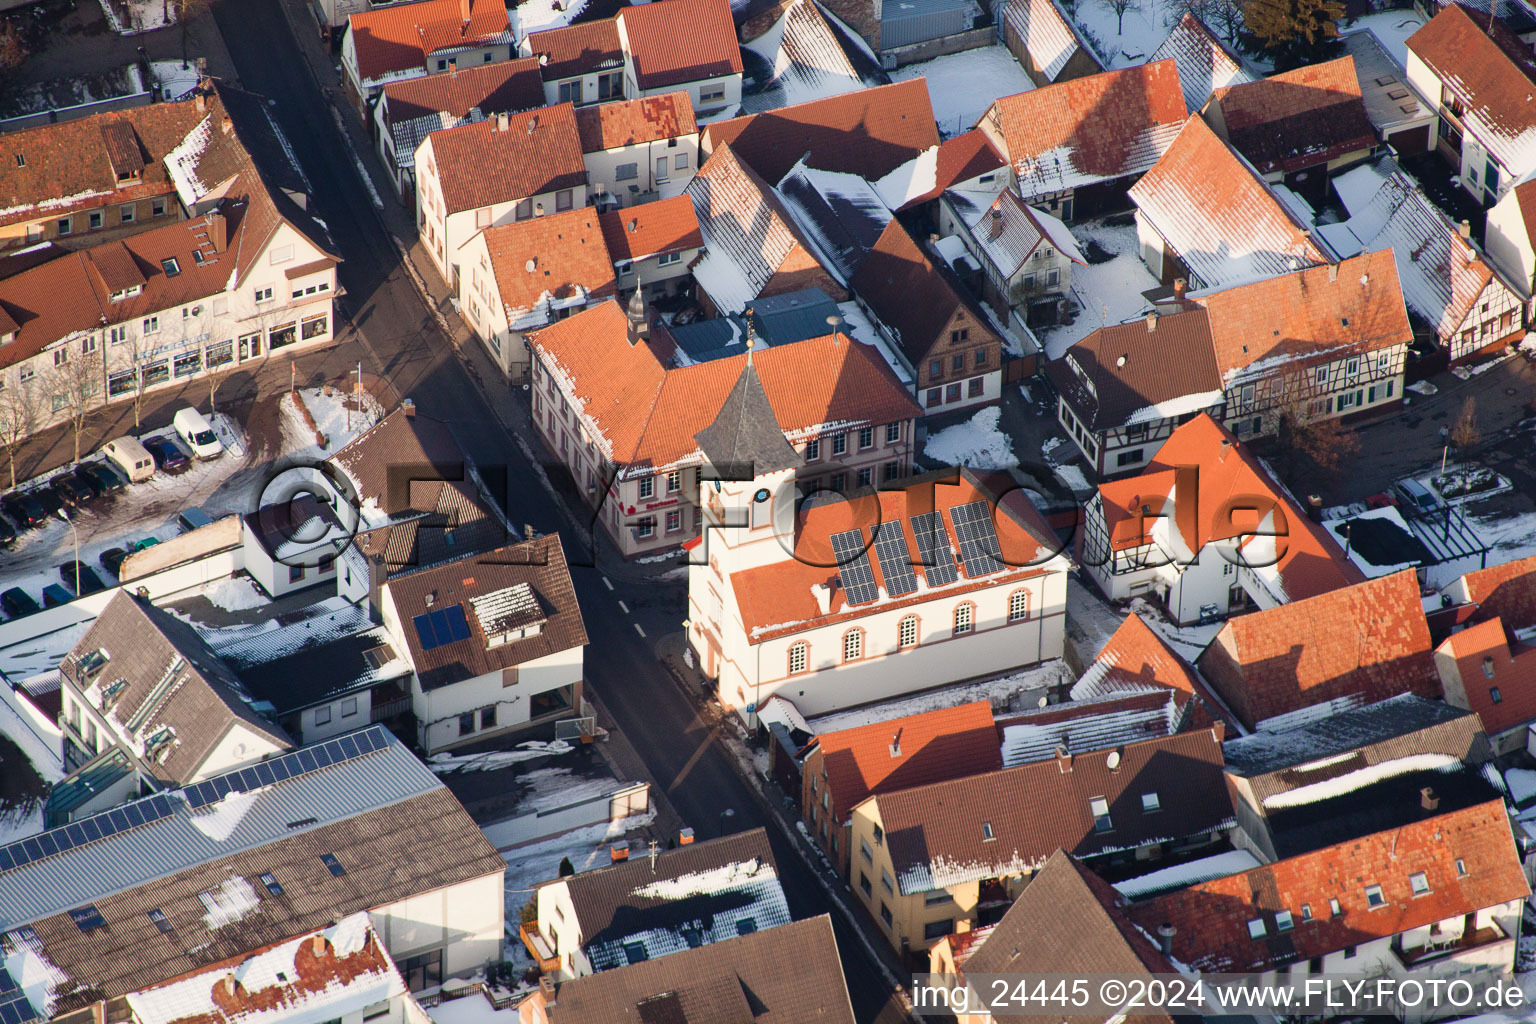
x: 746, y: 440
x: 323, y: 672
x: 201, y: 701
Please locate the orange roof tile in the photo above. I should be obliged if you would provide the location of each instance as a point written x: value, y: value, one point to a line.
x: 577, y: 49
x: 1212, y: 917
x: 1487, y: 661
x: 567, y: 253
x: 1506, y: 591
x: 668, y: 225
x: 645, y: 414
x: 776, y: 600
x: 400, y: 38
x: 933, y: 746
x: 504, y: 86
x: 1136, y: 656
x: 540, y: 151
x: 677, y: 41
x: 1299, y: 118
x: 966, y: 156
x: 633, y: 122
x: 1370, y: 639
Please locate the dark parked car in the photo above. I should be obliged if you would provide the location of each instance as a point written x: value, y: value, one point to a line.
x: 112, y: 559
x: 49, y: 499
x: 7, y: 533
x: 55, y: 595
x: 25, y: 510
x: 17, y: 602
x: 101, y: 476
x: 73, y: 491
x: 166, y: 453
x: 90, y: 583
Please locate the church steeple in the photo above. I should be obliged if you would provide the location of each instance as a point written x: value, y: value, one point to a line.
x: 745, y: 439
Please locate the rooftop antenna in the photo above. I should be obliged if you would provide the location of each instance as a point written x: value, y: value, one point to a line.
x: 835, y: 321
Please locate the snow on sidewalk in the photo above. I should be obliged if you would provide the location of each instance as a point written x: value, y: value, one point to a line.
x: 329, y: 409
x: 587, y: 848
x: 976, y: 443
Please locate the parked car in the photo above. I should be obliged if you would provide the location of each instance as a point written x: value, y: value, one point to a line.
x: 25, y: 510
x: 55, y: 595
x: 190, y: 519
x: 129, y: 456
x: 146, y: 542
x: 49, y: 499
x: 17, y: 602
x: 112, y: 559
x: 89, y: 582
x: 100, y: 476
x: 166, y: 453
x: 73, y: 491
x: 1416, y: 499
x: 7, y: 533
x: 196, y: 433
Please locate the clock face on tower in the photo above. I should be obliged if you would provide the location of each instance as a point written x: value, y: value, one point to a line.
x: 761, y: 495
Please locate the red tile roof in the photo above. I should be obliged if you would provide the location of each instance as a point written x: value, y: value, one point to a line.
x: 1486, y: 647
x: 933, y: 746
x: 501, y: 87
x: 777, y: 600
x: 568, y: 255
x: 1299, y: 118
x: 966, y: 156
x: 1309, y: 561
x: 477, y: 165
x: 577, y: 49
x: 401, y: 37
x: 1212, y: 917
x: 1506, y: 591
x: 1370, y: 639
x: 633, y: 122
x: 1104, y: 126
x: 1136, y: 656
x: 869, y: 132
x: 644, y: 413
x: 676, y: 41
x: 650, y: 229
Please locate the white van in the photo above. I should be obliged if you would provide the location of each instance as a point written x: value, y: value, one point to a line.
x: 129, y: 456
x: 195, y: 432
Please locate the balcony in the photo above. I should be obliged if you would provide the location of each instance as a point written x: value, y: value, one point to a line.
x: 1476, y: 946
x: 539, y: 948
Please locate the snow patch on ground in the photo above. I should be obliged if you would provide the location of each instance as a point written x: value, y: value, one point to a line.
x: 329, y: 409
x: 977, y: 443
x: 963, y: 85
x: 450, y: 764
x: 471, y: 1009
x: 235, y: 594
x: 587, y: 848
x: 172, y: 79
x: 1521, y: 783
x: 138, y: 16
x: 1145, y: 26
x: 1106, y: 293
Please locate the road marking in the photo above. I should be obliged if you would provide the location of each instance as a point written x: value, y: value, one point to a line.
x: 693, y: 759
x: 639, y: 630
x: 624, y: 607
x: 606, y: 583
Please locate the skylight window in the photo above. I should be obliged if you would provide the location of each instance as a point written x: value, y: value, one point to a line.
x: 1101, y: 820
x: 1373, y: 896
x: 1420, y: 882
x: 1150, y: 803
x: 986, y: 831
x: 170, y: 266
x: 1256, y: 928
x: 1283, y: 921
x: 330, y: 861
x: 88, y: 918
x: 158, y: 916
x: 270, y: 881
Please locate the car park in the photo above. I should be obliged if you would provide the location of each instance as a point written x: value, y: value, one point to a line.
x: 128, y: 455
x: 142, y: 543
x: 167, y: 454
x: 196, y: 433
x: 73, y: 491
x: 25, y: 510
x: 112, y: 560
x: 49, y: 499
x: 17, y: 602
x: 73, y: 573
x: 101, y: 476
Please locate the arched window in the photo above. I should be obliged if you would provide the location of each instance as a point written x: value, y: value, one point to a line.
x: 963, y: 616
x: 1018, y: 606
x: 799, y: 654
x: 853, y: 645
x: 906, y: 632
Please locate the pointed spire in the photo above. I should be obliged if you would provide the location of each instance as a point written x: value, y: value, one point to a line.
x: 745, y: 440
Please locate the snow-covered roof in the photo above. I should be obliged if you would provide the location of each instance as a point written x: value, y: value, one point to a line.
x: 1217, y: 866
x: 1205, y: 65
x: 1047, y: 34
x: 808, y: 62
x: 1096, y: 727
x: 841, y: 214
x: 917, y: 177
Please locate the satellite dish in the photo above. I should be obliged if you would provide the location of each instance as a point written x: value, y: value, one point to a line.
x: 530, y: 265
x: 1113, y: 761
x: 1042, y: 702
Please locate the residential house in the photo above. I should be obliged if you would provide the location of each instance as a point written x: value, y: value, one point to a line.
x: 1298, y: 127
x: 1205, y: 214
x: 95, y: 178
x: 785, y: 975
x: 967, y: 163
x: 1066, y: 922
x: 804, y: 52
x: 1046, y: 43
x: 1332, y: 778
x: 293, y: 544
x: 1205, y: 62
x: 1363, y: 642
x: 1487, y: 667
x: 1476, y: 73
x: 752, y: 245
x: 1025, y: 255
x: 400, y: 41
x: 143, y: 693
x: 841, y: 215
x: 652, y: 907
x: 793, y: 604
x: 511, y: 167
x: 608, y: 404
x: 1075, y: 147
x: 1435, y: 899
x: 869, y: 132
x: 1456, y: 297
x: 177, y: 883
x: 522, y: 276
x: 936, y: 859
x: 1400, y: 116
x: 410, y: 110
x: 683, y: 44
x: 580, y: 64
x: 495, y: 640
x: 639, y: 150
x: 1136, y: 661
x: 652, y: 245
x: 1178, y: 531
x: 839, y: 770
x: 343, y: 970
x: 1510, y: 237
x: 948, y: 343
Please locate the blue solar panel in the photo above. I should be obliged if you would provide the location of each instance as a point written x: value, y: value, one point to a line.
x: 853, y: 568
x: 349, y: 746
x: 135, y: 815
x: 443, y: 626
x: 977, y: 534
x: 6, y: 984
x: 92, y: 830
x: 933, y: 549
x: 895, y: 559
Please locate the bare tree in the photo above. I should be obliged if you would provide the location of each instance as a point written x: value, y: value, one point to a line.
x: 18, y: 415
x: 1466, y: 433
x: 127, y: 356
x: 1304, y: 437
x: 73, y: 385
x: 1120, y: 7
x: 186, y: 10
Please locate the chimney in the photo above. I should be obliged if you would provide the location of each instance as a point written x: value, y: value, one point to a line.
x: 896, y: 744
x: 1151, y: 321
x: 997, y: 223
x: 685, y: 837
x: 547, y: 990
x: 1464, y: 229
x: 1428, y: 800
x: 962, y: 926
x: 408, y: 406
x: 1165, y: 934
x: 230, y: 985
x: 464, y: 10
x: 619, y: 851
x: 218, y: 231
x: 1180, y: 288
x: 501, y: 122
x: 1333, y: 272
x: 1063, y: 760
x: 317, y: 945
x: 201, y: 102
x: 378, y: 574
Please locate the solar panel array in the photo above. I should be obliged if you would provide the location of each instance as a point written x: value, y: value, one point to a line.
x: 87, y: 830
x: 279, y: 769
x: 895, y: 559
x: 14, y: 1006
x: 933, y: 548
x: 444, y: 626
x: 854, y: 571
x: 977, y: 534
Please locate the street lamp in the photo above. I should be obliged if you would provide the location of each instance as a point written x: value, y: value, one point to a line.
x: 726, y: 817
x: 72, y: 529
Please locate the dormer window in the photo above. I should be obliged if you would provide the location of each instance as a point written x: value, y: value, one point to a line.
x: 170, y: 266
x: 126, y: 293
x: 93, y: 661
x: 1256, y: 929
